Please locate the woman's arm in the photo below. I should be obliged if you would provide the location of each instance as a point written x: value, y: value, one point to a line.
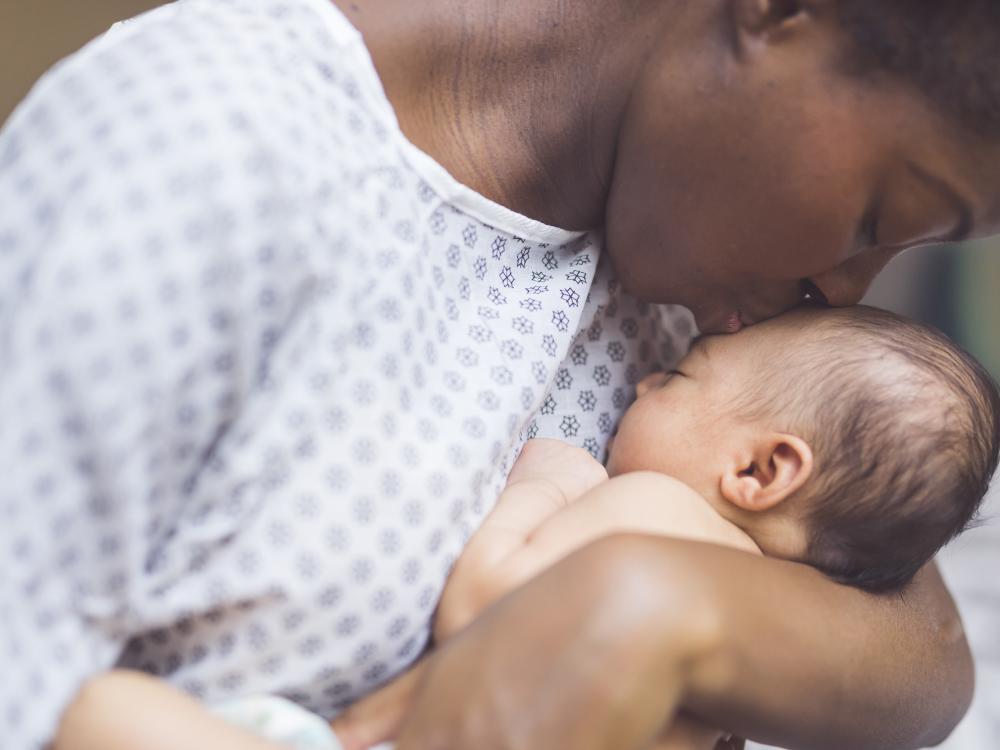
x: 600, y: 650
x: 810, y: 664
x: 131, y: 711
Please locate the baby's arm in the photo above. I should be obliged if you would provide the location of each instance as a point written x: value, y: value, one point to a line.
x: 128, y: 711
x: 548, y: 476
x: 533, y: 526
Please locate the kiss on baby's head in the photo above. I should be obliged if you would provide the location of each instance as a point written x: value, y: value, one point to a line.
x: 850, y: 439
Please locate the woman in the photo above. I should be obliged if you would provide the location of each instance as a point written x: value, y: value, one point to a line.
x: 225, y: 261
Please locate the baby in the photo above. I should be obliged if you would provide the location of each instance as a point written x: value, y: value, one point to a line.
x: 850, y: 440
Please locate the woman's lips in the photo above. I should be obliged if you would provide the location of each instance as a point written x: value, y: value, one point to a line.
x: 734, y: 322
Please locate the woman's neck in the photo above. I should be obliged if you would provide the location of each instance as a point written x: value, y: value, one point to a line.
x: 521, y: 100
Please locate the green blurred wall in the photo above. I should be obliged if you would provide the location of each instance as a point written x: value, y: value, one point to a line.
x: 976, y: 300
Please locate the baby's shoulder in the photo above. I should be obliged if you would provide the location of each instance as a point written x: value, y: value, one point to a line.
x: 652, y: 485
x: 664, y: 505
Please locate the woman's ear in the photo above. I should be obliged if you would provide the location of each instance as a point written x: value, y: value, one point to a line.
x: 777, y: 466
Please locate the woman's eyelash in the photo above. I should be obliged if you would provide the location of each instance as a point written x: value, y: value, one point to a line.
x: 813, y: 293
x: 872, y: 233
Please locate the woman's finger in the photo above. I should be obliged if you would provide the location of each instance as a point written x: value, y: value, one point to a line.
x: 377, y: 718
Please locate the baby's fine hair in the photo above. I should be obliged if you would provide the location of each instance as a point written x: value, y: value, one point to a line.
x: 905, y: 431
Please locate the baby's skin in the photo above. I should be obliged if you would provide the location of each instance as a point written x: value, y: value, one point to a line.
x: 558, y: 499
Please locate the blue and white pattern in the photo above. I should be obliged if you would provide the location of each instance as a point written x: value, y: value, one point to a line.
x: 265, y: 365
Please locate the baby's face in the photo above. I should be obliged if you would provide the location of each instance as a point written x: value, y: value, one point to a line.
x: 681, y: 420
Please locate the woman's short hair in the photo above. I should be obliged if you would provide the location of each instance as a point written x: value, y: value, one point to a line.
x: 949, y: 50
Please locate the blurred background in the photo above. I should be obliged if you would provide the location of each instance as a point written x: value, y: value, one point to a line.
x: 955, y: 288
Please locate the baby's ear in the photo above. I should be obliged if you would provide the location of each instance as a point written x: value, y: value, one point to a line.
x: 774, y: 467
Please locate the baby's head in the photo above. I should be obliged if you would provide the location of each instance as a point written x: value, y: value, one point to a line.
x: 850, y: 439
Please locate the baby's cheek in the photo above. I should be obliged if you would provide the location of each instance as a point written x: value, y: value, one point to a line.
x: 625, y: 452
x: 645, y: 441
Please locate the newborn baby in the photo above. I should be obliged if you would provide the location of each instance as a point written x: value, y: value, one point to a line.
x: 850, y: 439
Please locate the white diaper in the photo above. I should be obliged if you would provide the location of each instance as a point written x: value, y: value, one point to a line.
x: 281, y: 721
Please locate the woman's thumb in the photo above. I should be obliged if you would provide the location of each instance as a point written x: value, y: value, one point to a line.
x: 378, y: 717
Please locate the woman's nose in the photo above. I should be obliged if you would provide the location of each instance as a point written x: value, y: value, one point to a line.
x: 848, y: 283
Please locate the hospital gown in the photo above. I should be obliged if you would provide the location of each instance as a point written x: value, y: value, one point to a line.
x: 264, y: 365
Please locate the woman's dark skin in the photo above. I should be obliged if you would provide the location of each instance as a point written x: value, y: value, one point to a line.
x: 734, y: 168
x: 718, y: 144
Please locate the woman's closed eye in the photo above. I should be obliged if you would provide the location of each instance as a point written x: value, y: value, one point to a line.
x: 813, y: 293
x: 868, y: 227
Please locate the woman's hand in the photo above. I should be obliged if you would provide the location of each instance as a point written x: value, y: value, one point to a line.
x: 377, y: 718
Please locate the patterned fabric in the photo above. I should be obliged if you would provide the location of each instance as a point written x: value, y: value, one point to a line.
x: 265, y: 364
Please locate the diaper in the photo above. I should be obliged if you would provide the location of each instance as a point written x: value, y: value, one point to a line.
x: 281, y: 721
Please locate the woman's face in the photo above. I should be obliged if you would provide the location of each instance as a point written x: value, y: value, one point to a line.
x: 740, y: 184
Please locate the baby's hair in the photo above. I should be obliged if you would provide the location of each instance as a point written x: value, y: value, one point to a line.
x: 905, y: 431
x: 949, y: 50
